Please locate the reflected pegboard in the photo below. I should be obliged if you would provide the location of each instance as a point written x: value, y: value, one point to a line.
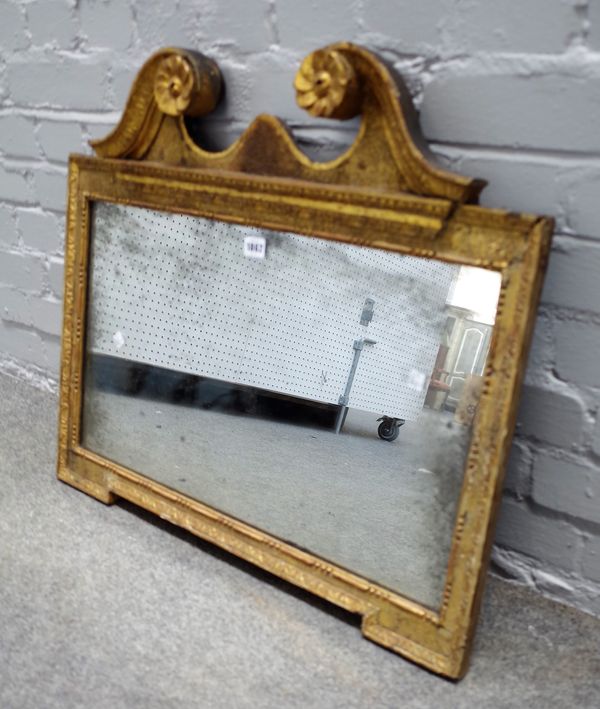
x: 184, y: 293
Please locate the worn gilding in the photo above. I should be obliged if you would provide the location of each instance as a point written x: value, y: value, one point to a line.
x: 383, y: 192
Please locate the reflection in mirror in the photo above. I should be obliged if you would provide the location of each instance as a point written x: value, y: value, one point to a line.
x: 320, y: 391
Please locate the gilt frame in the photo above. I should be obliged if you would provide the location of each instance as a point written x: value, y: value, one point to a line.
x: 382, y: 192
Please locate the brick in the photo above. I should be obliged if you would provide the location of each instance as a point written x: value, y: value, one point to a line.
x: 471, y: 26
x: 4, y: 92
x: 327, y: 23
x: 593, y: 38
x: 14, y: 187
x: 40, y: 230
x: 485, y: 26
x: 60, y: 139
x: 577, y: 344
x: 51, y: 350
x: 52, y: 22
x: 46, y: 315
x: 591, y: 559
x: 409, y: 24
x: 8, y: 232
x: 51, y: 189
x: 542, y: 352
x: 584, y: 216
x: 98, y: 130
x: 555, y: 585
x: 122, y: 82
x: 21, y: 271
x: 518, y: 470
x: 326, y: 143
x: 41, y: 313
x: 238, y: 100
x: 24, y: 345
x: 108, y: 23
x: 15, y: 306
x: 62, y: 83
x: 56, y: 276
x: 176, y: 25
x: 596, y: 435
x: 567, y: 487
x: 17, y: 137
x: 276, y: 95
x: 572, y: 277
x: 522, y: 530
x: 514, y: 184
x: 550, y: 416
x: 513, y: 111
x: 12, y: 27
x: 242, y: 24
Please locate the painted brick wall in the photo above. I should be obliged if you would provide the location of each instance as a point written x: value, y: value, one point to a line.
x: 508, y: 90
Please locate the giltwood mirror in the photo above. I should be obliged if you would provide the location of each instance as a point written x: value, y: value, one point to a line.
x: 314, y: 366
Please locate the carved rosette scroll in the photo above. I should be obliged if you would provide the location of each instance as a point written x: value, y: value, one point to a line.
x: 343, y: 80
x: 338, y: 82
x: 172, y: 83
x: 180, y: 88
x: 326, y: 85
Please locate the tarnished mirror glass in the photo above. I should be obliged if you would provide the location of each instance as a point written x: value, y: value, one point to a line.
x: 320, y: 391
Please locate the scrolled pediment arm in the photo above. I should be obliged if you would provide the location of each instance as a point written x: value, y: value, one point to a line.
x: 339, y: 81
x: 173, y: 82
x: 344, y: 80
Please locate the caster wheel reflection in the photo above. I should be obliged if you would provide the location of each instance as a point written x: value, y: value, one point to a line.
x: 388, y: 430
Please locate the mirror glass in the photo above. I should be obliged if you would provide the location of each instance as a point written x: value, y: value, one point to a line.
x: 320, y: 391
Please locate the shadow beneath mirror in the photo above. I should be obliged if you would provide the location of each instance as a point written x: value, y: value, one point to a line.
x: 246, y: 567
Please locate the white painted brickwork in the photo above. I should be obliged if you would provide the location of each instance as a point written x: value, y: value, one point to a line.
x: 509, y: 91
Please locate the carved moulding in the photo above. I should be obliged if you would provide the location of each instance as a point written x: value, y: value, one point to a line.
x: 340, y: 81
x: 384, y: 191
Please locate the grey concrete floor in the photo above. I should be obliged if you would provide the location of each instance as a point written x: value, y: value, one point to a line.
x: 343, y: 497
x: 109, y: 607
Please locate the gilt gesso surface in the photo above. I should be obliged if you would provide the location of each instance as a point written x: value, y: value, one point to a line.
x: 383, y: 192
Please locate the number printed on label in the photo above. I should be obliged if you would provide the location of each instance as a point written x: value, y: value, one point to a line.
x: 255, y: 246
